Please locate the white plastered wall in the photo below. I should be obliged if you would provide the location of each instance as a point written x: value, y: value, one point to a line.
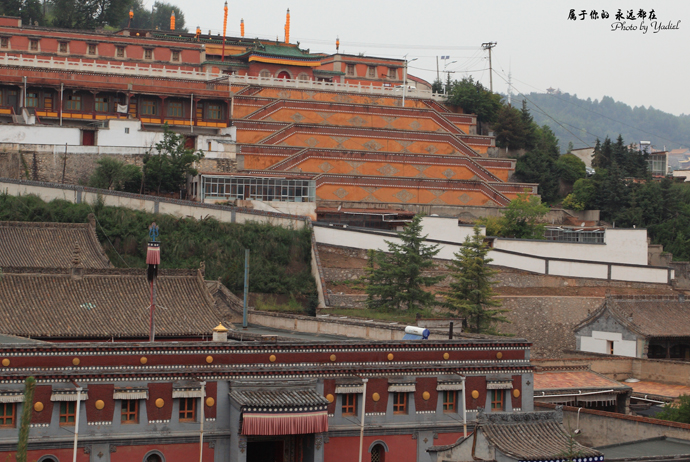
x: 597, y: 343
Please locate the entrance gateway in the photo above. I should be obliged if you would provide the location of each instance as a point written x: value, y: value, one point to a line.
x: 281, y: 422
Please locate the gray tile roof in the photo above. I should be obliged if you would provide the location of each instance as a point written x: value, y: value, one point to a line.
x: 531, y: 435
x: 105, y: 303
x: 650, y: 316
x: 49, y: 245
x: 279, y: 398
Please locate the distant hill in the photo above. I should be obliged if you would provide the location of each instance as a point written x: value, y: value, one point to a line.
x: 591, y: 119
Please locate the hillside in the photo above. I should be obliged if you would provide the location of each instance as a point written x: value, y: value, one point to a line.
x: 583, y: 121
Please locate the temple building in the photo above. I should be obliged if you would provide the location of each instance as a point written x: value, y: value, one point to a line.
x: 227, y: 400
x: 357, y: 130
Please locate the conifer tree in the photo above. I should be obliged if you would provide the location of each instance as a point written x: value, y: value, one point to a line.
x: 471, y: 292
x: 394, y: 280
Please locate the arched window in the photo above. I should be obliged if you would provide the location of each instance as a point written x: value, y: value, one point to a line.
x: 48, y: 459
x: 154, y: 456
x: 378, y: 453
x: 284, y: 75
x: 264, y: 74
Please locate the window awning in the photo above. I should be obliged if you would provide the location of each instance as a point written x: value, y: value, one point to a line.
x: 401, y: 387
x: 499, y: 385
x: 11, y: 396
x: 68, y: 395
x: 281, y: 412
x: 345, y: 389
x: 131, y: 393
x: 449, y: 386
x: 187, y: 390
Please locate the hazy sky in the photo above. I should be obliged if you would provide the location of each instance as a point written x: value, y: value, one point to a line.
x: 534, y: 39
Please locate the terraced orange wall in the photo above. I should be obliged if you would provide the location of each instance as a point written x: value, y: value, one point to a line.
x: 259, y: 162
x: 502, y: 173
x: 354, y: 98
x: 252, y: 136
x: 390, y: 194
x: 382, y: 168
x: 358, y: 117
x: 364, y: 144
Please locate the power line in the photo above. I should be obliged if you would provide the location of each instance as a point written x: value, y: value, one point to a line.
x: 594, y: 112
x: 544, y: 112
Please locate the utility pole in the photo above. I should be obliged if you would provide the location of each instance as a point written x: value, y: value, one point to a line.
x: 489, y: 46
x: 438, y: 73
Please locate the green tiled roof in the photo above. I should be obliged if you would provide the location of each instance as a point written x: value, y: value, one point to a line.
x: 319, y: 71
x: 228, y: 64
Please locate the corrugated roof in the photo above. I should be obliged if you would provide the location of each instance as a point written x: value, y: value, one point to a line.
x: 105, y: 303
x: 572, y: 380
x: 49, y: 245
x: 279, y: 398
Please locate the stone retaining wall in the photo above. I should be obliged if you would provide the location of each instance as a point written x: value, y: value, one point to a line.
x: 78, y: 168
x: 599, y: 428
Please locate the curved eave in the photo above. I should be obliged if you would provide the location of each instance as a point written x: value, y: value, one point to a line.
x: 284, y: 61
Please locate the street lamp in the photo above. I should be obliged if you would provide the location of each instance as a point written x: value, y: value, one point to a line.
x: 447, y: 74
x: 405, y: 78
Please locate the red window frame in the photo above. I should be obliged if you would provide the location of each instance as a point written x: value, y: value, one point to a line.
x: 350, y: 404
x: 187, y: 409
x: 399, y: 403
x: 68, y: 412
x: 449, y: 401
x: 496, y: 400
x: 129, y: 414
x: 8, y: 414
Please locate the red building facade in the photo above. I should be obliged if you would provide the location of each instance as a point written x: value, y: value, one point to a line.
x: 256, y: 401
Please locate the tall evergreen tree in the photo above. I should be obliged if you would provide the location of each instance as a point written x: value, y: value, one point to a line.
x: 529, y: 126
x: 510, y: 129
x: 471, y: 293
x: 395, y: 281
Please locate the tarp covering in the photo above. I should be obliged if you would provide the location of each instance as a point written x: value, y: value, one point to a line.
x: 284, y: 423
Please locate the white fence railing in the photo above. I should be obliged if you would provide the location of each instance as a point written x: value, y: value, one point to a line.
x: 186, y: 74
x: 554, y: 266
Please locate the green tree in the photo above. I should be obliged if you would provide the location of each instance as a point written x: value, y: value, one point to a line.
x: 570, y: 168
x: 538, y: 167
x: 473, y: 98
x: 676, y: 412
x: 395, y: 281
x: 437, y: 86
x: 167, y: 169
x: 116, y: 175
x: 90, y: 14
x: 521, y: 217
x: 30, y: 11
x: 471, y: 293
x: 531, y: 128
x: 161, y: 17
x: 510, y: 129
